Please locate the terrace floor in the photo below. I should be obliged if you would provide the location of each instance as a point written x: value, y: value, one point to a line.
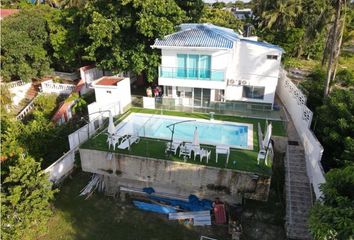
x: 239, y: 159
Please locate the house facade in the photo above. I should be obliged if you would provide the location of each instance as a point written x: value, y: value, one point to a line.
x: 203, y: 64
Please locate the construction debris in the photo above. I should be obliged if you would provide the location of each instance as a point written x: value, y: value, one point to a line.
x: 96, y: 182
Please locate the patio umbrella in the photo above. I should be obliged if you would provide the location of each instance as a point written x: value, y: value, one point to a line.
x: 267, y: 135
x: 111, y: 127
x: 196, y: 137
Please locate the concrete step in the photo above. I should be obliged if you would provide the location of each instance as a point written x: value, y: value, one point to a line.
x: 298, y: 233
x: 298, y: 198
x: 296, y: 219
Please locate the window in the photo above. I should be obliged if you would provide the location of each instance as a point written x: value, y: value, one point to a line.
x: 193, y: 66
x: 219, y: 95
x: 272, y: 57
x: 253, y: 92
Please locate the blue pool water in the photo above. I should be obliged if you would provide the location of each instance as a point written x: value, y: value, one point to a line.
x: 214, y: 133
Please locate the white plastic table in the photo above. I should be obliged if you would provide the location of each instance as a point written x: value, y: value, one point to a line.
x: 222, y: 149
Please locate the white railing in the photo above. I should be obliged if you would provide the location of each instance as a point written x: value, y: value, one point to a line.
x: 295, y: 103
x: 27, y: 109
x: 62, y: 167
x: 15, y: 84
x: 65, y: 164
x: 59, y: 88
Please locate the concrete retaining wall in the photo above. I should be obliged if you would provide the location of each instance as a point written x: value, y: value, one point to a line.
x: 174, y: 177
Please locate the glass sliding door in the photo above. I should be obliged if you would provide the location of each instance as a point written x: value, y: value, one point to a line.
x: 206, y: 97
x: 193, y: 66
x: 204, y: 66
x: 197, y: 97
x: 182, y: 65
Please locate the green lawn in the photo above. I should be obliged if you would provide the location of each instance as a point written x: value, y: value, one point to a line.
x: 101, y: 217
x: 242, y: 160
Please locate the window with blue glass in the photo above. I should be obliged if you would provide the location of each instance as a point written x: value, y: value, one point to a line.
x: 193, y: 66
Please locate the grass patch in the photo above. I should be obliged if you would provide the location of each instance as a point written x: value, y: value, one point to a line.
x: 101, y: 217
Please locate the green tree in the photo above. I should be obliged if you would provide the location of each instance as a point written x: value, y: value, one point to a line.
x: 221, y: 18
x: 193, y: 8
x: 23, y: 49
x: 67, y: 39
x: 122, y: 32
x: 219, y: 5
x: 26, y: 194
x: 334, y: 42
x: 333, y: 218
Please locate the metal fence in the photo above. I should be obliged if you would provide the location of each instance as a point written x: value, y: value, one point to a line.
x: 240, y: 109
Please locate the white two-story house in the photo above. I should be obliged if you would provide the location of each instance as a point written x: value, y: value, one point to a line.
x: 204, y: 63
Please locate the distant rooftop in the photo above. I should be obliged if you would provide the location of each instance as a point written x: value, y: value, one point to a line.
x: 7, y: 12
x: 108, y: 81
x: 206, y: 35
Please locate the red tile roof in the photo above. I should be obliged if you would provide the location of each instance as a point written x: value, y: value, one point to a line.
x: 7, y: 12
x: 109, y: 81
x: 88, y: 67
x: 62, y: 110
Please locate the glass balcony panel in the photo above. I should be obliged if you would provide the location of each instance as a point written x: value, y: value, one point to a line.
x: 192, y: 74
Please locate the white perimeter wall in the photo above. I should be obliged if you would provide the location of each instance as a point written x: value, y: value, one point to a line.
x: 295, y: 103
x: 65, y: 164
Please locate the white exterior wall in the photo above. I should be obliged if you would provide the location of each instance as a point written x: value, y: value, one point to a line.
x: 115, y: 101
x: 220, y: 60
x: 246, y: 61
x: 120, y: 93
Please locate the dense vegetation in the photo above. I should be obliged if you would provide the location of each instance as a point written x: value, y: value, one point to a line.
x: 318, y: 30
x: 117, y: 35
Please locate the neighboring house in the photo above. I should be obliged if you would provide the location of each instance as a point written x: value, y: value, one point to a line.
x: 7, y: 12
x: 202, y: 64
x: 243, y: 14
x: 112, y: 93
x: 64, y: 112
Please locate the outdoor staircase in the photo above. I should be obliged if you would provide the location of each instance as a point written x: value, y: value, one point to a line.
x: 298, y: 194
x: 26, y: 105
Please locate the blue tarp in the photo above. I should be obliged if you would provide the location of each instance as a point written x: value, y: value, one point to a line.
x: 154, y: 207
x: 193, y: 204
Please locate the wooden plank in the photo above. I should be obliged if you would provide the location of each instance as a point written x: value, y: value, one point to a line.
x: 186, y: 215
x: 200, y: 221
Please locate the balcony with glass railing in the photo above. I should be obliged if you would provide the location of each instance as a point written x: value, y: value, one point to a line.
x: 192, y: 74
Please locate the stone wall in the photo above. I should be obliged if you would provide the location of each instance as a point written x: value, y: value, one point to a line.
x: 174, y: 177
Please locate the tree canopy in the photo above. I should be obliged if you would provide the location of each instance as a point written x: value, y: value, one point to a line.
x: 25, y: 197
x: 23, y: 45
x: 121, y: 33
x: 334, y: 218
x: 221, y: 18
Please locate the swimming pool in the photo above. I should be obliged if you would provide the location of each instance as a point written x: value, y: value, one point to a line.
x: 236, y: 135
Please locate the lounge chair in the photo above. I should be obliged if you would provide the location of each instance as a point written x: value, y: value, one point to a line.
x: 114, y: 139
x: 128, y: 142
x: 172, y: 147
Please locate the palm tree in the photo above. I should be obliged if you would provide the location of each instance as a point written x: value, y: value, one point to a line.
x: 283, y: 14
x: 334, y: 42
